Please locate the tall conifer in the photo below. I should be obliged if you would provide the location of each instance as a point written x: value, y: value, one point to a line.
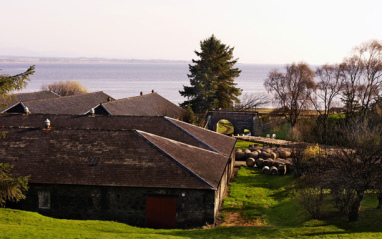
x: 212, y: 78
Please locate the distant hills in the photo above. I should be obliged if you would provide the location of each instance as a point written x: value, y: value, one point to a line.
x: 79, y: 60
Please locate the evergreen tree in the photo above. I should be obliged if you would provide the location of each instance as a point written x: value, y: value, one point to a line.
x: 212, y: 78
x: 11, y: 188
x: 12, y: 83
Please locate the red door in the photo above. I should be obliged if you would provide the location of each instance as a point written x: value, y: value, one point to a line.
x: 160, y: 212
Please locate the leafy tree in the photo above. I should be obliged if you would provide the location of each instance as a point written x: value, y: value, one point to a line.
x: 11, y: 189
x: 291, y: 89
x: 65, y: 88
x: 212, y: 78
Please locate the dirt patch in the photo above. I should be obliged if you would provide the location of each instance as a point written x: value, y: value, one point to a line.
x: 233, y: 219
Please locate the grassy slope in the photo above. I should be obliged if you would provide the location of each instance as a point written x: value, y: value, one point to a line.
x: 242, y: 144
x: 225, y: 127
x: 258, y: 197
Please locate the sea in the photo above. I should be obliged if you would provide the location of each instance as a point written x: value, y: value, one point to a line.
x: 127, y: 80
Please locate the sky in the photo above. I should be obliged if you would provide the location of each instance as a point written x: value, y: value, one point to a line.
x: 262, y: 31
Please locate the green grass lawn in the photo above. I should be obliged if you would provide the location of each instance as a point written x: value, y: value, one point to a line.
x: 263, y: 198
x: 242, y: 144
x: 282, y: 131
x: 225, y: 127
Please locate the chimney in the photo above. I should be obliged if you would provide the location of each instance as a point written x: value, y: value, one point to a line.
x: 141, y: 93
x: 152, y: 91
x: 109, y: 98
x: 47, y: 124
x: 27, y: 112
x: 92, y: 112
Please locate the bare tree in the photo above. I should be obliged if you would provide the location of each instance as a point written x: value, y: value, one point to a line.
x: 291, y: 89
x: 346, y: 172
x: 252, y: 101
x: 327, y: 88
x: 362, y: 78
x: 65, y: 88
x: 354, y: 168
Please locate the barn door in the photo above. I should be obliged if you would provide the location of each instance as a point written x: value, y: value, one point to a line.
x: 160, y: 212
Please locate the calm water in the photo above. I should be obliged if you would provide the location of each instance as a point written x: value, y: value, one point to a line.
x: 126, y: 80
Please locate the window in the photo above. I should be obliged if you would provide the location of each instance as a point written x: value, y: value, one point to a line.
x: 44, y: 199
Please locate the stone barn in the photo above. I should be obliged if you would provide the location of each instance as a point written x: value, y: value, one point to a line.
x: 72, y: 105
x: 17, y: 98
x: 110, y: 168
x: 144, y: 105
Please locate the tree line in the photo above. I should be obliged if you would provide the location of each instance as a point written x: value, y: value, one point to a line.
x: 339, y: 175
x: 350, y: 168
x: 356, y: 82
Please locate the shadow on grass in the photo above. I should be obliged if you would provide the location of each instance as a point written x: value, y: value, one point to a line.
x: 229, y: 232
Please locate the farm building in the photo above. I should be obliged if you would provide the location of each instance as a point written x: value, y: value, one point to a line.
x: 17, y: 98
x: 145, y: 105
x: 145, y: 171
x: 75, y: 104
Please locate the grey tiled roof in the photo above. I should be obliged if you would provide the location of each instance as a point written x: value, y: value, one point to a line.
x: 74, y: 105
x: 124, y: 158
x: 218, y: 142
x: 158, y: 125
x: 132, y: 151
x: 206, y: 165
x: 146, y: 105
x: 16, y: 98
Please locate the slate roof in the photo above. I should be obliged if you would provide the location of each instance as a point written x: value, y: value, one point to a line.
x: 158, y: 125
x: 74, y: 105
x: 146, y: 105
x: 204, y: 164
x: 16, y: 98
x: 125, y: 158
x: 218, y: 142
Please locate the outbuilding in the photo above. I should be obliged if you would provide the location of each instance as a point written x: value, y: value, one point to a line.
x: 146, y: 171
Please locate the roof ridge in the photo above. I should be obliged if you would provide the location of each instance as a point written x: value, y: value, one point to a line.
x: 128, y: 98
x: 67, y: 128
x: 139, y: 132
x: 170, y: 101
x: 120, y: 116
x: 199, y: 140
x: 175, y: 141
x: 9, y: 107
x: 200, y: 127
x: 65, y: 97
x: 53, y: 93
x: 34, y: 92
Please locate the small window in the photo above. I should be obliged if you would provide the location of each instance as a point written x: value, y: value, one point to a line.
x: 44, y: 199
x: 94, y: 161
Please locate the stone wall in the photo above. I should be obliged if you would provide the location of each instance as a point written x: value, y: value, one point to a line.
x: 224, y: 182
x: 123, y: 204
x: 240, y: 120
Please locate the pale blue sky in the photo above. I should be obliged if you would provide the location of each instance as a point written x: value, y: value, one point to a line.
x: 262, y: 31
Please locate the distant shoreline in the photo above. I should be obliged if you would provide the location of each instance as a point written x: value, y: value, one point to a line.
x: 83, y: 60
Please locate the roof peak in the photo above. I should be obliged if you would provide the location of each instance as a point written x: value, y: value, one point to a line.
x: 65, y: 97
x: 145, y: 135
x: 132, y: 97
